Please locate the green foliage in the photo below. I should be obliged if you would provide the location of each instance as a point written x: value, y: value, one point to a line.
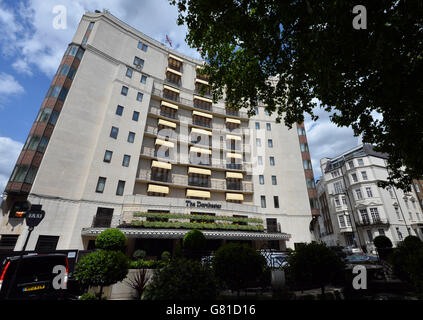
x: 111, y: 239
x: 190, y: 225
x: 309, y: 49
x: 412, y: 242
x: 101, y: 268
x: 165, y: 256
x: 147, y: 264
x: 88, y: 296
x: 139, y: 254
x: 239, y: 266
x: 315, y: 265
x: 182, y: 279
x: 382, y: 242
x: 194, y: 240
x: 196, y: 217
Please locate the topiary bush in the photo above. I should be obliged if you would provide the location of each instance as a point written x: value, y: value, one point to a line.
x: 382, y: 242
x: 182, y: 279
x: 165, y: 256
x: 239, y: 266
x: 139, y: 254
x: 111, y: 239
x: 194, y: 240
x: 412, y: 242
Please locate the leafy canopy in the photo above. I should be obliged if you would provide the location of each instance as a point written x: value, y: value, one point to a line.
x: 285, y: 53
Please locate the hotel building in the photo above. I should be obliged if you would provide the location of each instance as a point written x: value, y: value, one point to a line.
x: 128, y: 137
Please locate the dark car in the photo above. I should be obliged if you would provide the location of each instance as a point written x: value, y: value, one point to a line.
x: 31, y: 277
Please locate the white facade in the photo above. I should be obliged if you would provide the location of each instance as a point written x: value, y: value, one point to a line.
x: 68, y: 177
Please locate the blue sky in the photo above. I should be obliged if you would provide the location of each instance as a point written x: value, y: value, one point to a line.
x: 31, y: 50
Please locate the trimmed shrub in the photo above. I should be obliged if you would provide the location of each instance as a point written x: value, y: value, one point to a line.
x: 412, y: 242
x: 239, y: 266
x: 194, y: 240
x: 382, y: 242
x: 88, y: 296
x: 182, y: 279
x: 111, y: 239
x: 165, y: 256
x: 146, y: 264
x: 139, y: 254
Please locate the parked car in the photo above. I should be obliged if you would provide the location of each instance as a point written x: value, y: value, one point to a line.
x: 31, y: 277
x: 361, y: 258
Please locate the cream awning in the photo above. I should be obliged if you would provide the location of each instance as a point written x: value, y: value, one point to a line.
x: 159, y: 164
x: 201, y: 81
x: 171, y: 89
x: 157, y: 189
x: 202, y: 114
x: 234, y: 155
x: 234, y: 175
x: 233, y: 120
x: 170, y: 105
x: 235, y: 196
x: 167, y: 123
x: 201, y: 150
x: 175, y: 57
x: 202, y: 98
x: 173, y: 71
x: 165, y: 143
x: 201, y: 131
x: 229, y: 137
x: 198, y: 193
x: 206, y: 172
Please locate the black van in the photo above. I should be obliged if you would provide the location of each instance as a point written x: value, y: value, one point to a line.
x: 31, y: 277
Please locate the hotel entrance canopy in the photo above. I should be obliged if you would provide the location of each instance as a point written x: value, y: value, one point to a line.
x: 145, y: 233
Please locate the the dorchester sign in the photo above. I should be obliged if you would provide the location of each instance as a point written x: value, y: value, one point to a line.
x: 201, y: 204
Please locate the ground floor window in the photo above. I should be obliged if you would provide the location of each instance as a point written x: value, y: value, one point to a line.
x: 46, y: 243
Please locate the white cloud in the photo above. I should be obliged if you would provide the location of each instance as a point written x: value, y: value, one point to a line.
x: 29, y: 34
x: 9, y: 85
x: 9, y: 152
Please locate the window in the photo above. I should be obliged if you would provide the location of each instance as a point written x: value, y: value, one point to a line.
x: 8, y: 242
x: 351, y: 164
x: 19, y: 173
x: 310, y: 183
x: 32, y: 142
x: 131, y: 137
x: 301, y: 131
x: 256, y: 110
x: 375, y: 214
x: 409, y: 213
x: 138, y: 62
x: 348, y: 220
x: 272, y: 161
x: 397, y: 212
x: 135, y: 116
x: 71, y: 73
x: 381, y: 232
x: 63, y: 94
x: 416, y: 186
x: 258, y: 142
x: 341, y: 220
x: 354, y: 177
x: 120, y: 188
x: 369, y: 192
x: 46, y: 243
x: 399, y: 234
x: 276, y: 201
x: 257, y: 125
x: 274, y: 182
x: 43, y: 144
x: 143, y: 79
x: 270, y: 143
x: 142, y: 46
x: 261, y: 179
x: 103, y: 218
x: 406, y: 203
x: 129, y: 72
x: 124, y: 91
x: 31, y: 175
x: 44, y: 115
x: 108, y: 156
x: 307, y: 164
x: 263, y: 201
x: 126, y: 160
x: 63, y: 70
x: 266, y: 112
x: 335, y: 173
x: 364, y: 175
x: 304, y: 147
x: 391, y: 193
x: 337, y: 202
x: 414, y: 203
x: 139, y: 96
x: 360, y: 162
x: 338, y: 187
x: 91, y: 25
x: 370, y: 235
x: 260, y: 160
x: 268, y: 127
x: 358, y: 194
x: 53, y: 118
x: 364, y: 216
x: 344, y: 201
x: 119, y: 110
x: 114, y: 132
x: 100, y: 184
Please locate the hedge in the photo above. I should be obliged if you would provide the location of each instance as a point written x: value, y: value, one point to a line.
x: 194, y: 225
x: 195, y: 217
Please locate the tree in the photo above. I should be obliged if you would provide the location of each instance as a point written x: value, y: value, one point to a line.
x: 182, y: 279
x: 102, y: 268
x: 314, y: 264
x: 194, y: 241
x: 239, y: 266
x: 286, y: 53
x: 111, y: 239
x: 384, y: 246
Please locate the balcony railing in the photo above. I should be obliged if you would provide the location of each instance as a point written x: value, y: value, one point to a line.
x: 372, y: 222
x: 173, y: 82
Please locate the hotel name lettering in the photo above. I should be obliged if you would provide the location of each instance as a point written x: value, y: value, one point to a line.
x: 200, y: 204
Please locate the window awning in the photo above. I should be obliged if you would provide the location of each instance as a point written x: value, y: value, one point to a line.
x: 198, y: 194
x: 203, y: 99
x: 201, y: 81
x: 170, y: 88
x: 167, y: 123
x: 159, y: 164
x: 233, y: 120
x: 231, y: 137
x: 235, y: 196
x: 234, y: 155
x: 202, y: 114
x: 206, y: 172
x: 165, y: 143
x: 173, y: 71
x: 157, y: 189
x: 175, y: 57
x: 170, y: 105
x: 201, y: 131
x: 201, y: 150
x: 234, y: 175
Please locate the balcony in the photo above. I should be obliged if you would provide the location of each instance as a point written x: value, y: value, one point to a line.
x: 173, y: 82
x: 372, y: 222
x: 234, y: 166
